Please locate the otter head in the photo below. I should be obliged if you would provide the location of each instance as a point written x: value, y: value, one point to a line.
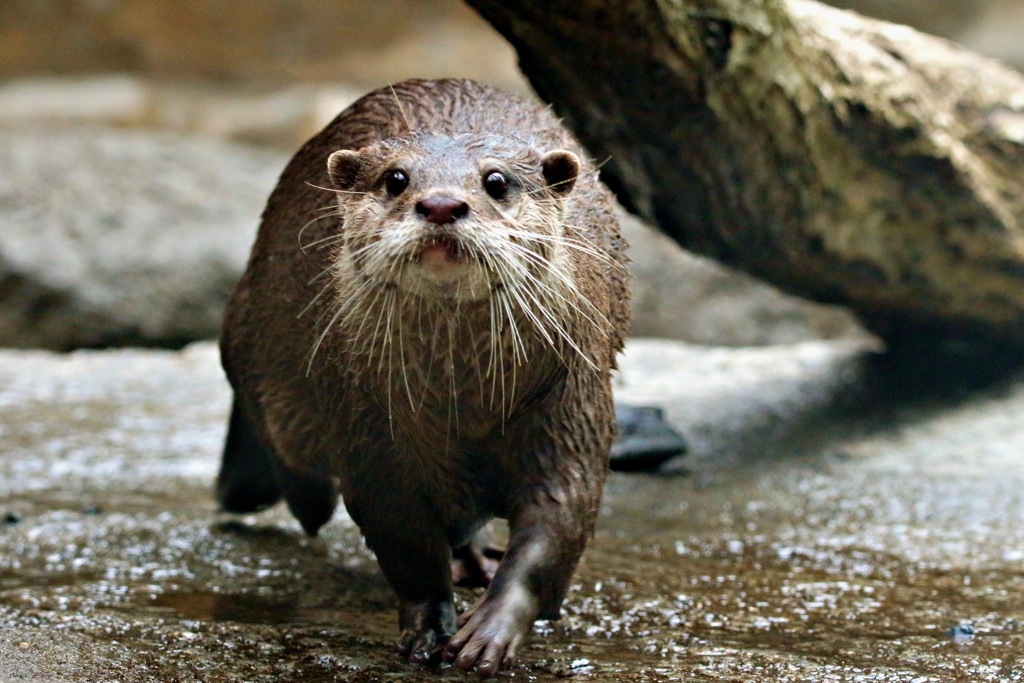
x: 449, y: 217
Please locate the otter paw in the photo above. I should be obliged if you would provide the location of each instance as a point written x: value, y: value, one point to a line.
x: 492, y: 633
x: 421, y: 647
x: 426, y: 628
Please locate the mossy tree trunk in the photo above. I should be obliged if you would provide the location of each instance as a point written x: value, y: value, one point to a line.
x: 841, y: 158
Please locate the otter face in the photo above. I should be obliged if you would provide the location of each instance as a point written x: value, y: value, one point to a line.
x: 452, y: 217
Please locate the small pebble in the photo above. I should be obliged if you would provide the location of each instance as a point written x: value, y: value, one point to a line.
x: 961, y: 633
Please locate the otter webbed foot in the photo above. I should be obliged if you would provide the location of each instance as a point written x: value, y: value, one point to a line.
x: 426, y: 628
x: 492, y: 631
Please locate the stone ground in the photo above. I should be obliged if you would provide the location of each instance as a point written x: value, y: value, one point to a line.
x: 839, y: 518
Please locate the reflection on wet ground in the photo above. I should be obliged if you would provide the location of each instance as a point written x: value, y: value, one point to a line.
x: 892, y: 550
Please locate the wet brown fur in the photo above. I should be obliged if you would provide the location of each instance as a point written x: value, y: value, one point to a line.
x: 410, y: 421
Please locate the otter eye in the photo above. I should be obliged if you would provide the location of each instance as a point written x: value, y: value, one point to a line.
x: 395, y: 182
x: 496, y: 184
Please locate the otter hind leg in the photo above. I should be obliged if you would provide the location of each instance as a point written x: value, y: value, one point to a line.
x: 252, y: 478
x: 247, y: 481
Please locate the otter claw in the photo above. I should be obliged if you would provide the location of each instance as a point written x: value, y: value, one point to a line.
x: 489, y: 638
x: 421, y: 647
x: 485, y: 658
x: 427, y: 628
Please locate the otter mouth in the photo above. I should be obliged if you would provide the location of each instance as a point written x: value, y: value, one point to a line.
x: 441, y: 251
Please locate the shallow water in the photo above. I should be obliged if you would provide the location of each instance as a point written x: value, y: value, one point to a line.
x: 851, y: 560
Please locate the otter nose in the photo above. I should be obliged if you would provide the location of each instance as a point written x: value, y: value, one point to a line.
x: 441, y: 209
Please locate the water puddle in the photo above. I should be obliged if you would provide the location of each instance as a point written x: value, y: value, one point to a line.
x: 243, y: 609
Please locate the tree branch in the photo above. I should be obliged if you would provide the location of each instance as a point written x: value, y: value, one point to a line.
x: 841, y: 158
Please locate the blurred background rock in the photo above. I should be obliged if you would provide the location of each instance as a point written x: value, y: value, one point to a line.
x: 140, y: 138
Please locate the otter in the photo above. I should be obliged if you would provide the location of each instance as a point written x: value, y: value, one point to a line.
x: 427, y: 326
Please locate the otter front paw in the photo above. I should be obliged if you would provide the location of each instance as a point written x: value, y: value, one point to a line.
x: 493, y: 629
x: 426, y: 627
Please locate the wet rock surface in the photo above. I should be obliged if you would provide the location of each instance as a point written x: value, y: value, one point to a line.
x: 835, y: 520
x: 680, y: 295
x: 114, y: 237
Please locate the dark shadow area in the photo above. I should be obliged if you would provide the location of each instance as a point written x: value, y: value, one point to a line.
x: 917, y: 373
x: 261, y: 533
x: 244, y: 609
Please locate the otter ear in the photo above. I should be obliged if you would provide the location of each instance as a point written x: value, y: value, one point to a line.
x: 343, y: 166
x: 561, y: 168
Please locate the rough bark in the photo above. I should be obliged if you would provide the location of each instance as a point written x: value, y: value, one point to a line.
x: 841, y: 158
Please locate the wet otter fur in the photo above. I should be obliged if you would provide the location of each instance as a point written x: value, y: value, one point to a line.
x: 427, y: 326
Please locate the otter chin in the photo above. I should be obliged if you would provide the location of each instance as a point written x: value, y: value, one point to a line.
x: 427, y: 327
